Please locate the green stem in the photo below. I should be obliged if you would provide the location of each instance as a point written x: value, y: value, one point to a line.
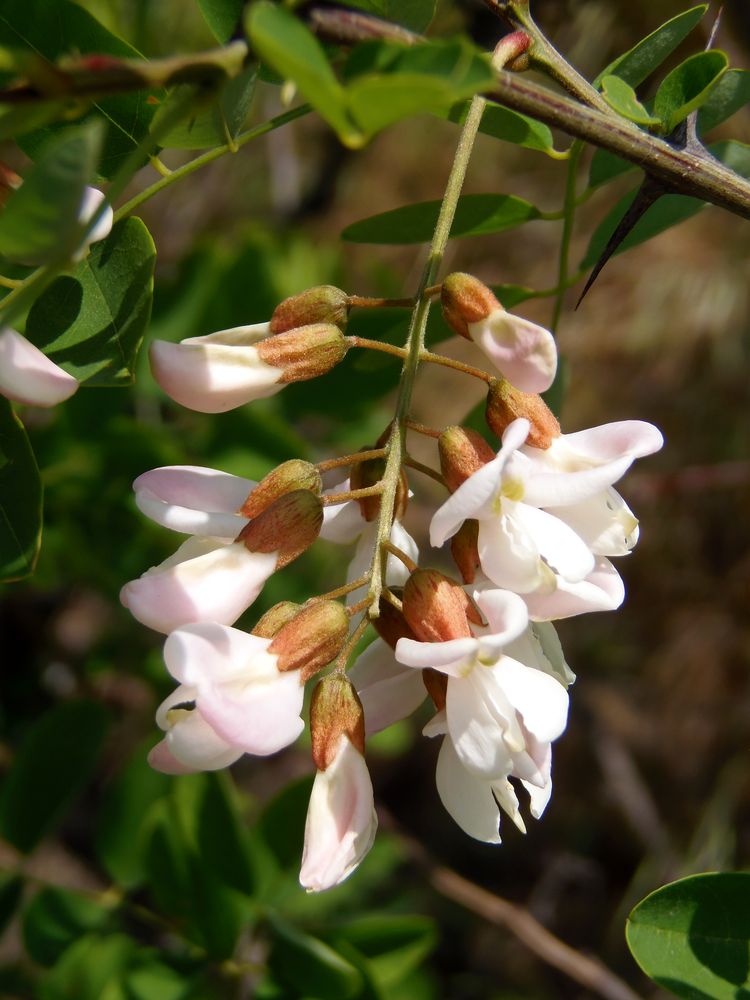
x: 569, y: 212
x: 209, y: 157
x: 415, y: 346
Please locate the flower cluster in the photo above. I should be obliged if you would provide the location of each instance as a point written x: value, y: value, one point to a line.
x: 533, y: 528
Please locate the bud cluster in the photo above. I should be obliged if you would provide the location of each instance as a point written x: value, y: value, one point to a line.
x: 533, y: 527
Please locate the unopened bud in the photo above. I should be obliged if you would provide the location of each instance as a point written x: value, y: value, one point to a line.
x: 314, y: 637
x: 391, y: 624
x: 335, y: 711
x: 304, y: 352
x: 511, y: 52
x: 275, y: 619
x: 462, y: 452
x: 505, y: 404
x: 288, y: 526
x: 465, y: 299
x: 465, y: 551
x: 437, y: 687
x: 365, y: 474
x: 323, y: 304
x: 285, y: 478
x: 436, y: 607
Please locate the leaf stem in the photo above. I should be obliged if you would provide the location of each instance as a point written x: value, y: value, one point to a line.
x: 569, y: 211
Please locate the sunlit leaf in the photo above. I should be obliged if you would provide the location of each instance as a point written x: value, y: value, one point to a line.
x: 93, y: 968
x: 91, y: 322
x: 510, y: 126
x: 476, y: 215
x: 693, y: 936
x: 20, y: 498
x: 308, y: 966
x: 730, y: 94
x: 394, y: 945
x: 219, y: 122
x: 222, y: 17
x: 640, y: 61
x: 688, y: 86
x: 622, y: 98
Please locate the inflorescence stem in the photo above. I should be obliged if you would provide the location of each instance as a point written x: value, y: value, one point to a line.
x: 355, y: 459
x: 400, y: 554
x: 331, y: 499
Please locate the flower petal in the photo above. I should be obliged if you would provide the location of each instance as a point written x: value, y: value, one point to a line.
x: 466, y: 797
x: 474, y: 728
x: 523, y: 352
x: 604, y: 522
x: 210, y: 651
x: 453, y: 657
x: 540, y: 699
x: 509, y: 556
x: 602, y: 590
x: 193, y: 499
x: 634, y: 438
x: 343, y: 522
x: 387, y: 691
x: 92, y: 199
x: 562, y: 549
x: 28, y: 376
x: 194, y: 744
x: 506, y: 615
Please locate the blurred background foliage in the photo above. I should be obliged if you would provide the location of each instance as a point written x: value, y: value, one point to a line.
x: 138, y: 886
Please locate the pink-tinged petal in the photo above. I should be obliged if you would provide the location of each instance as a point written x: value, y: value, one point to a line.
x: 560, y: 547
x: 260, y: 716
x: 205, y: 580
x: 506, y: 615
x: 602, y: 590
x: 341, y: 821
x: 28, y: 376
x: 605, y: 523
x: 558, y: 489
x: 522, y: 351
x: 193, y: 499
x: 194, y: 744
x: 343, y: 522
x: 466, y: 797
x: 634, y: 438
x: 509, y: 556
x: 210, y: 651
x: 182, y: 697
x: 388, y: 692
x: 92, y: 199
x: 540, y: 699
x: 475, y: 730
x: 453, y: 657
x: 212, y: 377
x: 161, y: 759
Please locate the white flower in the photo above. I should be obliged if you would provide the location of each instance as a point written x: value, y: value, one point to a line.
x: 242, y: 702
x: 387, y: 690
x: 522, y: 351
x: 28, y: 376
x: 341, y: 820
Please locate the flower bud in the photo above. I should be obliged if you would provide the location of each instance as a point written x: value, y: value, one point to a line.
x: 505, y: 404
x: 314, y: 637
x: 288, y: 527
x: 465, y: 299
x: 275, y: 619
x: 285, y: 478
x: 323, y: 304
x: 465, y: 551
x: 436, y: 608
x: 462, y: 452
x: 28, y: 376
x: 335, y: 711
x: 303, y: 353
x: 390, y: 623
x: 437, y: 687
x: 369, y: 473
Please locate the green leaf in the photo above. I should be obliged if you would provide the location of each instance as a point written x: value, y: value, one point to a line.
x: 40, y: 220
x: 93, y: 968
x: 510, y: 126
x: 605, y: 166
x: 20, y: 499
x: 52, y: 765
x: 394, y: 945
x: 308, y: 966
x: 413, y: 14
x: 122, y: 819
x: 693, y: 936
x: 92, y: 322
x: 730, y: 94
x: 688, y: 86
x: 11, y: 887
x: 622, y: 98
x: 640, y: 61
x: 222, y: 17
x: 153, y: 980
x: 218, y: 123
x: 288, y: 47
x: 282, y: 823
x: 27, y: 24
x: 56, y: 918
x: 668, y: 211
x: 476, y: 215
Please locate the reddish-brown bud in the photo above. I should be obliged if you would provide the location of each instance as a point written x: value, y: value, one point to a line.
x: 465, y: 551
x: 288, y: 526
x: 437, y: 687
x: 335, y: 711
x: 314, y: 637
x: 323, y: 304
x: 462, y: 452
x: 285, y: 478
x: 505, y: 404
x: 465, y: 299
x: 436, y: 607
x: 365, y: 474
x: 391, y: 624
x: 511, y: 52
x: 304, y: 352
x: 275, y: 619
